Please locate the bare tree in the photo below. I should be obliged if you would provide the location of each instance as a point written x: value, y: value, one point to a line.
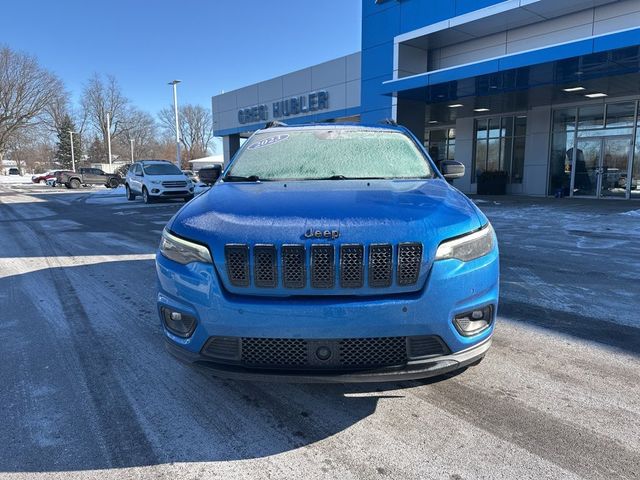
x: 196, y: 130
x: 26, y: 90
x: 140, y: 127
x: 101, y: 97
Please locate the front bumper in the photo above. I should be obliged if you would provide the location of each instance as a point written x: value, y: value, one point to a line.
x: 413, y: 370
x: 453, y: 287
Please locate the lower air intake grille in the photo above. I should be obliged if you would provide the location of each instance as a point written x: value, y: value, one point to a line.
x: 227, y: 348
x: 302, y: 354
x: 427, y: 346
x: 276, y: 352
x: 237, y: 259
x: 366, y: 352
x: 409, y: 260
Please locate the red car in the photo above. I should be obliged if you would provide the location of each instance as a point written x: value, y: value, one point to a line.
x: 43, y: 177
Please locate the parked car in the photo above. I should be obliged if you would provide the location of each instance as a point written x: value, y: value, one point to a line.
x: 41, y: 177
x: 191, y: 175
x: 14, y: 171
x: 88, y: 176
x: 330, y: 253
x: 154, y: 179
x: 47, y: 176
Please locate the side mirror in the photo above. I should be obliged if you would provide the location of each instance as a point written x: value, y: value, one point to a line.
x: 209, y: 175
x: 451, y: 169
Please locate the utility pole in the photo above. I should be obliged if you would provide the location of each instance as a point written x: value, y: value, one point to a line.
x: 109, y: 138
x: 73, y: 157
x: 131, y: 140
x: 175, y: 109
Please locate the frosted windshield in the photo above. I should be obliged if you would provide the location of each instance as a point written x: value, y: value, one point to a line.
x: 321, y: 154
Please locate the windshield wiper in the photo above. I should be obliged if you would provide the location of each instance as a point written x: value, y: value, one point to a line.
x: 342, y: 177
x: 240, y: 178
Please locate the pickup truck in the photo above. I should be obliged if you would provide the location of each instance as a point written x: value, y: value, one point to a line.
x: 88, y: 176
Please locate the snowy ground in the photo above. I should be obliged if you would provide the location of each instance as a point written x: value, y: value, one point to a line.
x: 581, y: 258
x: 88, y: 390
x: 15, y: 179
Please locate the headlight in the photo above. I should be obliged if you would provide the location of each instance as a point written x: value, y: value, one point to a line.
x: 183, y: 251
x: 467, y: 247
x: 156, y: 182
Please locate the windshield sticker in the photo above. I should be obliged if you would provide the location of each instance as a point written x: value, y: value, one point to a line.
x: 268, y: 141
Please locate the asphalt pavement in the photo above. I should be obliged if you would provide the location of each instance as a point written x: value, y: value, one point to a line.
x: 88, y: 390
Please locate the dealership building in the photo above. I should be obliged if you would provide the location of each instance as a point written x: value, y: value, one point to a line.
x: 542, y: 94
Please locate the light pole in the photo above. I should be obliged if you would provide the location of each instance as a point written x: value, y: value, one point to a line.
x: 73, y: 157
x: 131, y: 140
x: 175, y: 109
x: 109, y: 138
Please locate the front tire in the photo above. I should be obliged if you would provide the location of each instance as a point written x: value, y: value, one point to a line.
x: 113, y: 183
x: 145, y: 196
x: 130, y: 194
x: 75, y: 183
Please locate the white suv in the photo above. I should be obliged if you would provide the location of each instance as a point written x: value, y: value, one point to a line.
x: 155, y: 179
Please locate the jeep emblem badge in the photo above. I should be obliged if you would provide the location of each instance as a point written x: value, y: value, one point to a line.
x: 313, y: 233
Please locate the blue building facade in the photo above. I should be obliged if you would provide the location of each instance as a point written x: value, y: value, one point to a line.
x: 539, y: 96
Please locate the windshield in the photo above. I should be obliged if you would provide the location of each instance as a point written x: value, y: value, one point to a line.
x: 161, y: 169
x: 339, y: 153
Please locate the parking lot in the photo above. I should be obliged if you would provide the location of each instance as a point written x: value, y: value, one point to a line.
x: 89, y: 391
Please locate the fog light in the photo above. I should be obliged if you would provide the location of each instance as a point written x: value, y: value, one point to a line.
x: 155, y: 190
x: 473, y: 322
x: 178, y: 323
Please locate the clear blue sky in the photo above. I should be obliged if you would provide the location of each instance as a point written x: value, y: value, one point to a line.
x: 210, y: 45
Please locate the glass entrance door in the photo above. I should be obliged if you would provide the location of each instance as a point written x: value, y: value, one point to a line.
x: 586, y: 165
x: 616, y: 153
x: 600, y: 167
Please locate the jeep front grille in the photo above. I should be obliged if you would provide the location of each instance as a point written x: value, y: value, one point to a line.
x: 380, y: 265
x: 409, y: 260
x: 322, y: 266
x: 351, y: 266
x: 265, y: 271
x: 237, y: 259
x: 319, y: 267
x: 294, y: 273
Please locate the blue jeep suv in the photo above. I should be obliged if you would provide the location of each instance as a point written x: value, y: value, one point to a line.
x: 330, y: 253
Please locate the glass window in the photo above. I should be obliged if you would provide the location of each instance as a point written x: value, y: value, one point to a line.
x: 162, y: 169
x: 441, y: 144
x: 635, y: 169
x: 564, y: 120
x: 591, y: 117
x: 320, y: 153
x: 481, y: 128
x: 620, y: 114
x: 500, y: 146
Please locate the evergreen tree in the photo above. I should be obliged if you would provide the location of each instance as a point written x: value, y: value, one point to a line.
x: 63, y: 152
x: 97, y: 151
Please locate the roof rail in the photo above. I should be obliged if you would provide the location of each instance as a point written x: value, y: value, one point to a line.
x: 389, y: 121
x: 275, y: 123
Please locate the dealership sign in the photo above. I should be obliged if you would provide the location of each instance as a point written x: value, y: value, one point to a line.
x: 300, y: 104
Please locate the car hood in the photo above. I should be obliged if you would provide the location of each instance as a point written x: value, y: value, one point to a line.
x: 363, y: 212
